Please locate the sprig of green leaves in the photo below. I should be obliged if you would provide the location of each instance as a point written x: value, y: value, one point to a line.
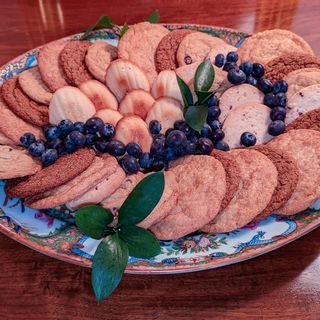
x: 111, y: 256
x: 154, y: 17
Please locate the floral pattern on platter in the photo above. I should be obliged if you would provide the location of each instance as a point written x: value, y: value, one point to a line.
x: 52, y: 232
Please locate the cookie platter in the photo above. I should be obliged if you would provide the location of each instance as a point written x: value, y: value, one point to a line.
x: 52, y: 231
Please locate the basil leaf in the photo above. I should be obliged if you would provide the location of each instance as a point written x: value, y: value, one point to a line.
x: 196, y: 116
x: 142, y: 200
x: 124, y: 29
x: 103, y: 22
x: 203, y: 96
x: 154, y: 17
x: 204, y: 76
x: 92, y: 220
x: 109, y: 263
x: 185, y: 92
x: 141, y: 243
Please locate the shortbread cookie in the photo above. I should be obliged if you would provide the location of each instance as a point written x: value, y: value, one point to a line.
x: 25, y: 108
x: 165, y: 56
x: 15, y: 162
x: 236, y: 96
x: 139, y: 45
x: 72, y: 59
x: 64, y: 169
x: 309, y: 120
x: 279, y: 67
x: 202, y: 187
x: 265, y: 46
x: 258, y: 180
x: 305, y: 100
x: 32, y: 84
x: 49, y: 66
x: 99, y: 55
x: 251, y: 117
x: 304, y: 148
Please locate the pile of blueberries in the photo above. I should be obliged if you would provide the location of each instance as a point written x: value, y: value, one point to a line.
x: 275, y: 94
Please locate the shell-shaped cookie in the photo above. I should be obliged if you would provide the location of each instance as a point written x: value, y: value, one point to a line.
x: 109, y: 116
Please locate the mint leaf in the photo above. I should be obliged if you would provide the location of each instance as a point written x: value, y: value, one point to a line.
x: 92, y: 220
x: 196, y: 116
x: 124, y: 29
x: 103, y: 22
x: 142, y: 200
x: 154, y: 17
x: 109, y: 263
x: 185, y: 92
x: 203, y: 96
x: 141, y: 243
x: 204, y: 76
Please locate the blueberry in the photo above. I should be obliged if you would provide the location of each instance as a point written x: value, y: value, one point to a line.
x: 65, y: 127
x: 281, y: 99
x: 190, y: 147
x: 252, y: 80
x: 246, y: 67
x: 130, y: 164
x: 213, y: 101
x: 180, y: 150
x: 160, y: 136
x: 146, y: 160
x: 168, y: 131
x: 36, y: 149
x: 90, y: 139
x: 219, y: 60
x: 154, y: 127
x: 213, y: 113
x: 79, y: 126
x: 158, y: 147
x: 51, y: 132
x: 269, y: 100
x: 278, y: 113
x: 265, y: 86
x: 217, y: 135
x: 221, y: 145
x: 257, y: 70
x: 69, y: 146
x: 183, y: 126
x: 169, y: 154
x: 107, y: 131
x: 195, y: 138
x: 101, y: 145
x: 133, y: 149
x: 55, y: 144
x: 280, y: 86
x: 49, y: 157
x: 232, y: 56
x: 27, y: 139
x: 236, y: 76
x: 276, y: 127
x: 248, y: 139
x: 215, y: 124
x: 158, y: 164
x: 176, y: 138
x: 229, y: 65
x: 204, y: 146
x: 116, y: 148
x: 206, y: 131
x: 77, y: 138
x: 93, y: 125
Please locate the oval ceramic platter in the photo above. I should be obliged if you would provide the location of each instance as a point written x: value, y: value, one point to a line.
x: 52, y: 232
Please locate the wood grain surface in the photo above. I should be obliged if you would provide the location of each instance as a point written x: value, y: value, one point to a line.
x: 284, y: 284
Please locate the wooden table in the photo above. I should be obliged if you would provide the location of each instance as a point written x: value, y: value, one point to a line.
x: 283, y: 284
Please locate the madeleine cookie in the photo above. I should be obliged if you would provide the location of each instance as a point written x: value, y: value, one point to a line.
x: 305, y: 100
x: 5, y: 140
x: 304, y: 148
x: 32, y: 85
x: 265, y: 46
x: 258, y: 180
x: 202, y: 187
x: 109, y: 116
x: 254, y: 118
x: 49, y: 65
x: 64, y: 169
x: 236, y: 96
x: 72, y: 61
x: 15, y: 163
x: 195, y: 47
x: 98, y: 57
x: 19, y: 103
x: 139, y: 45
x: 165, y: 56
x: 309, y: 120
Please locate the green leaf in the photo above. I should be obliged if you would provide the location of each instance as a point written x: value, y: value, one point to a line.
x: 109, y: 263
x: 203, y: 96
x: 196, y: 116
x: 154, y: 17
x: 204, y: 76
x: 92, y: 220
x: 141, y: 243
x: 142, y: 200
x: 124, y: 29
x: 103, y: 22
x: 185, y: 92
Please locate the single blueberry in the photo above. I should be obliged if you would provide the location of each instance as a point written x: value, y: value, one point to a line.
x: 252, y: 80
x: 49, y: 157
x: 37, y: 148
x: 219, y: 60
x: 180, y: 151
x: 51, y: 132
x: 154, y: 127
x: 183, y: 126
x: 130, y: 164
x: 246, y: 67
x: 176, y: 138
x: 215, y: 124
x: 77, y: 138
x: 94, y: 124
x: 169, y: 154
x: 280, y: 86
x: 265, y: 85
x: 65, y: 127
x: 206, y: 131
x: 146, y: 160
x: 168, y: 131
x: 159, y: 136
x: 281, y: 99
x: 90, y: 139
x: 69, y: 146
x: 236, y: 76
x: 248, y: 139
x: 217, y: 135
x: 158, y: 147
x: 204, y: 146
x: 190, y: 147
x: 276, y: 127
x: 101, y: 145
x: 229, y: 65
x: 195, y: 138
x: 116, y: 148
x: 221, y: 145
x: 79, y: 126
x: 158, y: 165
x: 55, y: 144
x: 278, y: 113
x: 213, y: 113
x: 133, y: 149
x: 257, y: 70
x: 213, y: 101
x: 107, y: 131
x: 27, y: 139
x: 232, y: 56
x: 269, y: 100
